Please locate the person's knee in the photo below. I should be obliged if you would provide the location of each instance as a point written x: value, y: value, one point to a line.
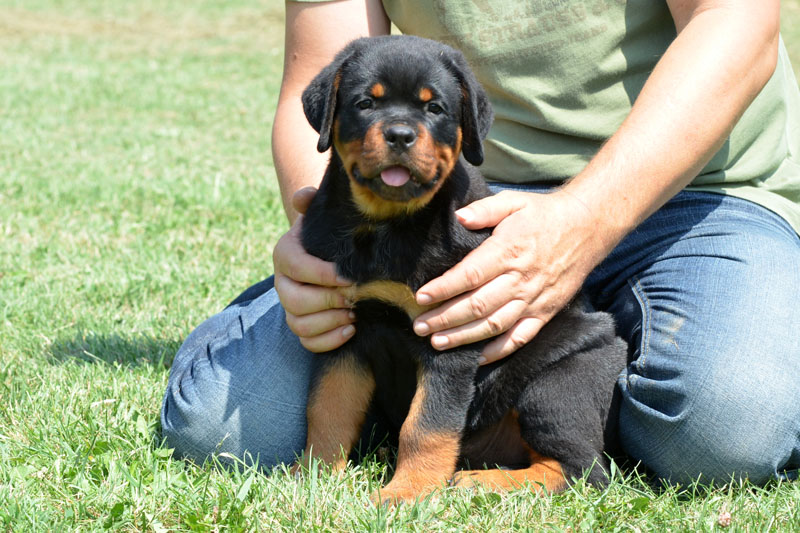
x: 715, y: 437
x: 712, y: 392
x: 192, y: 419
x: 203, y: 416
x: 239, y: 387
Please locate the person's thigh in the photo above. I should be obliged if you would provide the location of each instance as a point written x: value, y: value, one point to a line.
x: 239, y: 385
x: 707, y: 292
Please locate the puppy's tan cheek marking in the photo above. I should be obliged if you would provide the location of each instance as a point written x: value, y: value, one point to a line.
x: 374, y: 149
x: 447, y: 156
x: 349, y: 152
x: 377, y: 91
x: 425, y: 95
x: 424, y: 155
x: 367, y: 154
x: 373, y: 152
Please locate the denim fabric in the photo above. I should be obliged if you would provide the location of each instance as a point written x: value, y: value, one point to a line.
x: 239, y: 383
x: 706, y: 291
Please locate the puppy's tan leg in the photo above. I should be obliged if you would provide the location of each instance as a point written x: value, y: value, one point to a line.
x: 337, y: 406
x: 426, y: 456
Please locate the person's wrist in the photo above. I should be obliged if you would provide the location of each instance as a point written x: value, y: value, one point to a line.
x: 592, y: 222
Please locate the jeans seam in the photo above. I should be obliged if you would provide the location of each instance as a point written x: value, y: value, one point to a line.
x: 644, y: 344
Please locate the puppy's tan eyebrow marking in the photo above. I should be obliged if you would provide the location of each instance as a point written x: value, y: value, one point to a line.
x: 377, y: 90
x: 425, y: 94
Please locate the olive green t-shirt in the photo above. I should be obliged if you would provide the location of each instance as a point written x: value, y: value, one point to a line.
x: 562, y: 76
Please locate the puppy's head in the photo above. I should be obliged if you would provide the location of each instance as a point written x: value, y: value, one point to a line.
x: 398, y: 111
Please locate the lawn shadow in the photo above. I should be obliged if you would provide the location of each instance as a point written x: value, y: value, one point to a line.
x: 125, y: 350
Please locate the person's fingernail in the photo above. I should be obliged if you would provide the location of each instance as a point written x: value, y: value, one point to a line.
x: 465, y: 214
x: 423, y: 299
x: 440, y: 341
x: 421, y: 328
x: 348, y: 331
x: 481, y: 360
x: 342, y: 281
x: 351, y: 315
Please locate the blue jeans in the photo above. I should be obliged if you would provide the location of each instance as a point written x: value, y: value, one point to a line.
x: 706, y: 291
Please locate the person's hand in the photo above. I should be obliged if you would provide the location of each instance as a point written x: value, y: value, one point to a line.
x: 540, y: 252
x: 313, y: 296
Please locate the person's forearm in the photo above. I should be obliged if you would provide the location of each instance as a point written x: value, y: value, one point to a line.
x: 314, y: 33
x: 297, y: 162
x: 706, y: 79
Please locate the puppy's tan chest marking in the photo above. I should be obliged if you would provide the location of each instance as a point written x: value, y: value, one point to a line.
x: 391, y: 292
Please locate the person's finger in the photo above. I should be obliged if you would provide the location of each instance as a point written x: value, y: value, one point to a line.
x: 291, y: 260
x: 473, y: 305
x: 316, y: 324
x: 490, y: 211
x: 301, y: 199
x: 482, y: 264
x: 512, y: 340
x: 330, y: 340
x: 303, y: 299
x: 485, y: 328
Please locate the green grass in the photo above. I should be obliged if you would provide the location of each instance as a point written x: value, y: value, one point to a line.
x: 137, y: 197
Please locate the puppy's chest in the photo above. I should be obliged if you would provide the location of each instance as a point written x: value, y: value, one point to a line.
x: 389, y: 253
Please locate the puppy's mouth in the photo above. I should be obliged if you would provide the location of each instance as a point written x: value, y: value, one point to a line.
x: 395, y: 183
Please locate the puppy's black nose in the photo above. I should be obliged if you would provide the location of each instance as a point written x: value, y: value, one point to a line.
x: 399, y: 136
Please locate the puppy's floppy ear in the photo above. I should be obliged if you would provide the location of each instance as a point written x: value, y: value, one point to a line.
x: 319, y: 98
x: 476, y: 111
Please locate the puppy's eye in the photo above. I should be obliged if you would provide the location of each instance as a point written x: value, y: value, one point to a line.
x: 364, y: 104
x: 436, y: 109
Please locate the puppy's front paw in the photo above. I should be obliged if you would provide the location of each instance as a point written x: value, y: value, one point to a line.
x: 396, y: 493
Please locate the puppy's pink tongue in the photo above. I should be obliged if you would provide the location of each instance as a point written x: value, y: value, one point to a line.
x: 395, y: 176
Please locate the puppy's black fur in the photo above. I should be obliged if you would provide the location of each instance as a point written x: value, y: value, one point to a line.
x: 398, y: 111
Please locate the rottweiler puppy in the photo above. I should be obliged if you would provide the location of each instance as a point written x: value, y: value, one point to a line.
x: 406, y: 119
